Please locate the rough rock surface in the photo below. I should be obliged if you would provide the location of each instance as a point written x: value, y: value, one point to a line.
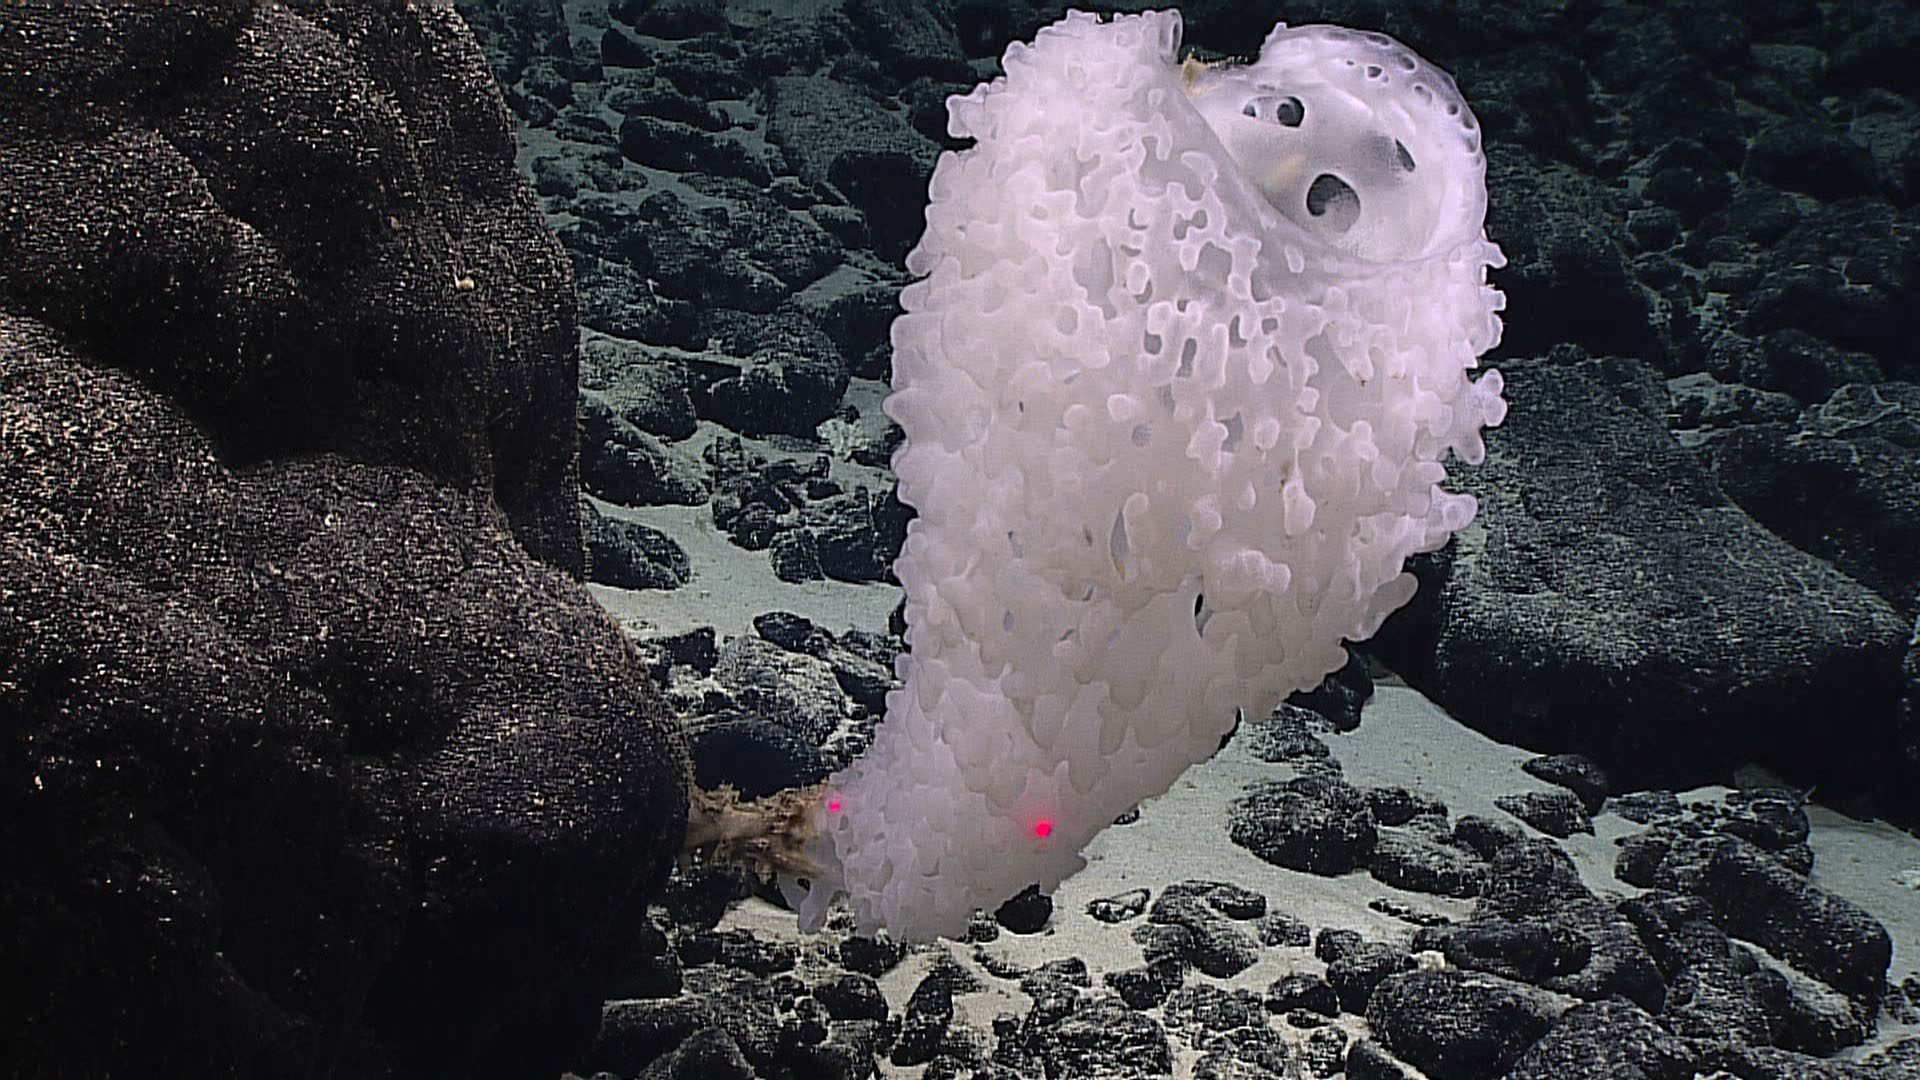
x: 313, y: 760
x: 1611, y: 599
x: 303, y: 222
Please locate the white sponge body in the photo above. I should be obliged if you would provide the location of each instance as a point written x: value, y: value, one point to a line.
x: 1171, y: 433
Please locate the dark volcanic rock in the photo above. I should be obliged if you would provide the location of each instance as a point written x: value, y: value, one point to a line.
x: 755, y: 757
x: 623, y: 464
x: 1102, y: 1037
x: 1611, y: 600
x: 1458, y: 1025
x: 307, y: 765
x: 630, y: 555
x: 839, y: 135
x: 1586, y: 948
x: 1754, y: 897
x: 1837, y: 481
x: 1417, y: 860
x: 1214, y: 944
x: 1312, y: 823
x: 306, y: 234
x: 1557, y: 813
x: 310, y: 760
x: 1574, y: 772
x: 1606, y: 1038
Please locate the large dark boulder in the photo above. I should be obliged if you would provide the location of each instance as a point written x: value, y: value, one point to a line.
x: 304, y: 223
x: 1611, y: 600
x: 313, y: 759
x: 306, y: 766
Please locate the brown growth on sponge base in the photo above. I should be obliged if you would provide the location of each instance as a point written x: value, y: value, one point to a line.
x: 766, y: 836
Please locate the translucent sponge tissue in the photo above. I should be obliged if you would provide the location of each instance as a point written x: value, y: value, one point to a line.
x: 1188, y: 348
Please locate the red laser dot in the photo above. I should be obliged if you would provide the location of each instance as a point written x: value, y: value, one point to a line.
x: 833, y: 805
x: 1043, y: 828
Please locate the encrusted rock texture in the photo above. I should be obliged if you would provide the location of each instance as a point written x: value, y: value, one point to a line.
x: 315, y: 759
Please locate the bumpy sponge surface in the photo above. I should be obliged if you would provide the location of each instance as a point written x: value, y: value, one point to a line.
x: 1187, y: 350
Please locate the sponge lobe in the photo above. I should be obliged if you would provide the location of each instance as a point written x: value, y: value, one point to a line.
x: 1169, y: 445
